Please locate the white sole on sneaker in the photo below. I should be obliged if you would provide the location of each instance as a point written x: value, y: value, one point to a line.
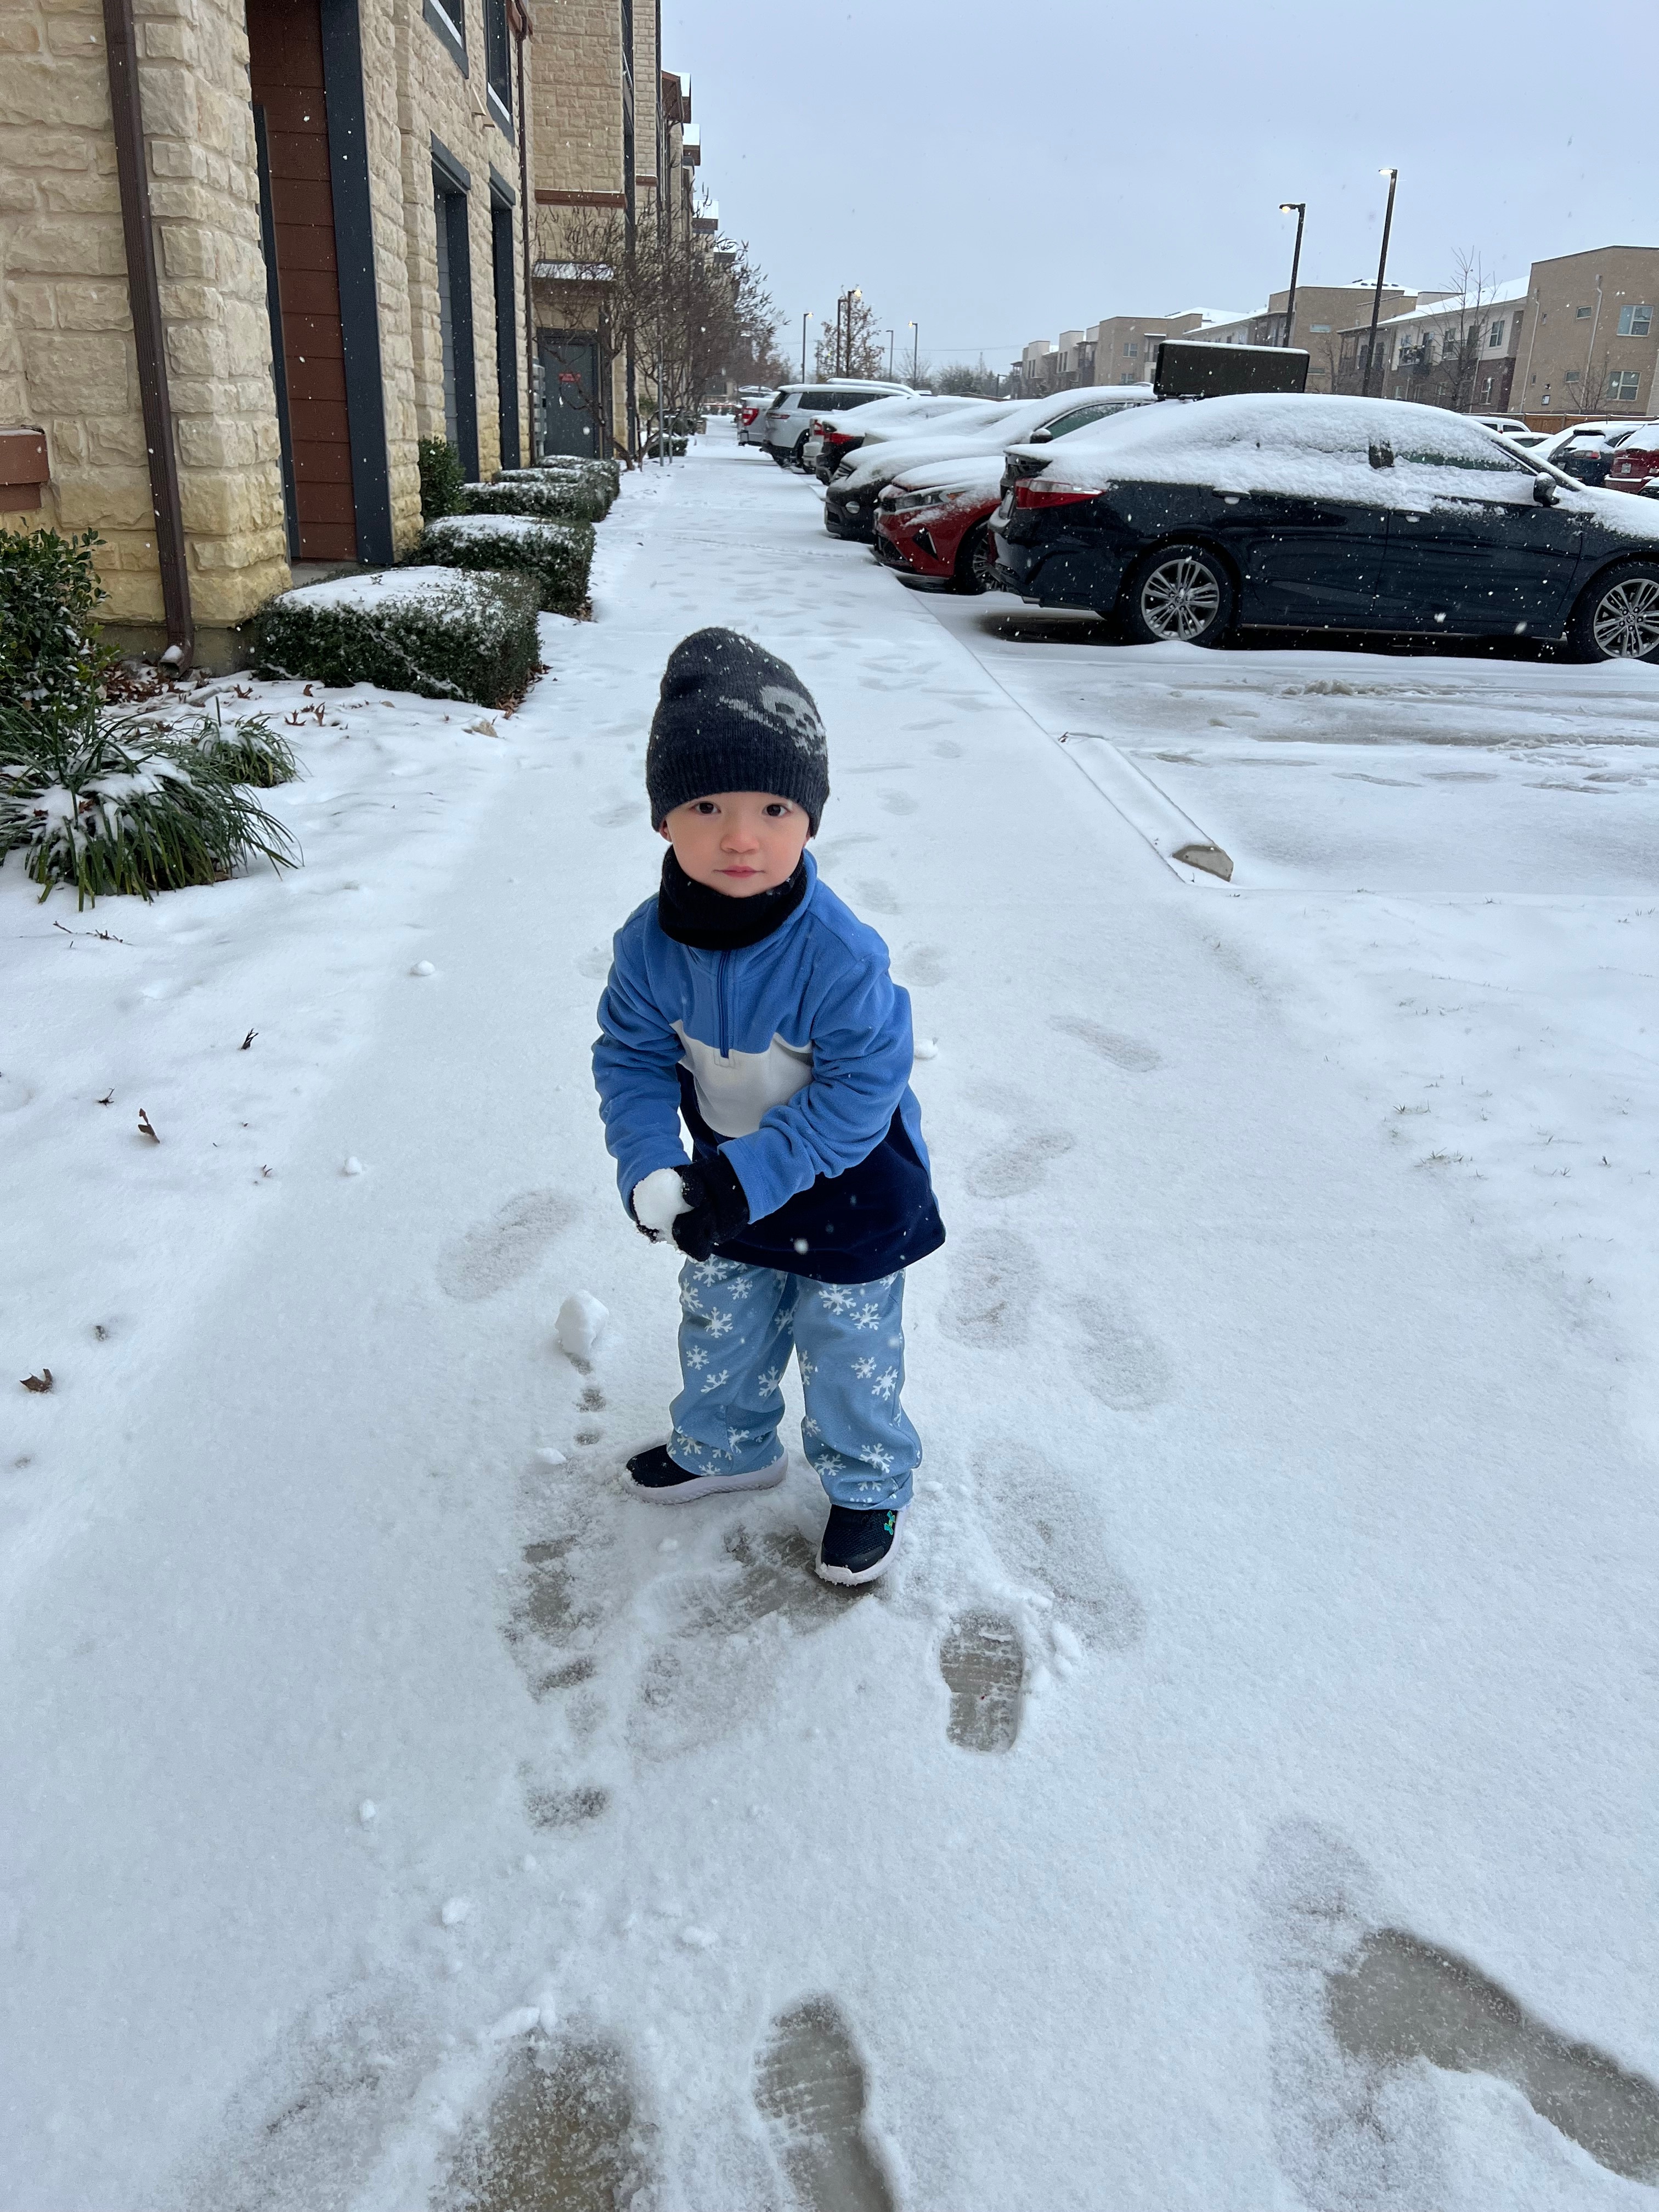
x: 845, y: 1579
x: 710, y: 1485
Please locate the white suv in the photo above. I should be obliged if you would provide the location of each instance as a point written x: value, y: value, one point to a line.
x: 786, y: 423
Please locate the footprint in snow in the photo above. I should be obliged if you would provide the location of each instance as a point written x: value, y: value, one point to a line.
x: 924, y: 963
x: 1355, y: 2003
x: 564, y: 1808
x: 1122, y: 1365
x: 595, y: 964
x: 993, y: 1280
x: 810, y: 2088
x: 617, y: 817
x: 878, y: 897
x: 1013, y: 1169
x: 563, y: 2134
x: 502, y: 1250
x: 1125, y: 1052
x: 983, y: 1663
x: 1045, y: 1526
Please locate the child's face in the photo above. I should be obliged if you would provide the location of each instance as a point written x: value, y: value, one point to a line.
x: 738, y: 842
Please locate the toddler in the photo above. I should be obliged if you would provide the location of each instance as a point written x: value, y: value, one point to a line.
x: 747, y: 1001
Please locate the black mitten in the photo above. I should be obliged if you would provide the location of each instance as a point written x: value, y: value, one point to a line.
x: 716, y: 1207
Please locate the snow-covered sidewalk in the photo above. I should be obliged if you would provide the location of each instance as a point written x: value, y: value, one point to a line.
x: 395, y: 1814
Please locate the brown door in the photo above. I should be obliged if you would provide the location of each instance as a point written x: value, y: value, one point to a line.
x: 285, y: 65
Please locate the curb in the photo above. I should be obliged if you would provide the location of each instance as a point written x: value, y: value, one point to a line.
x: 1183, y: 847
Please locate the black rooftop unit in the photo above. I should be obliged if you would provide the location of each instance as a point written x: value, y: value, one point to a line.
x: 1189, y: 369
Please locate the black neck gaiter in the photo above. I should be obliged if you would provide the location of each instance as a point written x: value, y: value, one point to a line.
x: 696, y: 914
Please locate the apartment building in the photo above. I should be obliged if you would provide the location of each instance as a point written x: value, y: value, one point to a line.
x: 1592, y: 346
x: 251, y: 250
x: 1454, y: 350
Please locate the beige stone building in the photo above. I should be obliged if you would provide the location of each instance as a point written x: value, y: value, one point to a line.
x: 1593, y: 346
x: 251, y: 252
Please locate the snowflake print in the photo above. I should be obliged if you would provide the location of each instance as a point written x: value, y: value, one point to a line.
x: 767, y: 1384
x: 836, y: 1298
x: 864, y: 1368
x: 868, y: 1317
x: 717, y: 1381
x: 808, y: 1427
x: 696, y: 1356
x: 719, y: 1324
x: 885, y: 1383
x: 878, y: 1456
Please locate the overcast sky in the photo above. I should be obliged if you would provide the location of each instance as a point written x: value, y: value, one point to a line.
x: 1003, y: 173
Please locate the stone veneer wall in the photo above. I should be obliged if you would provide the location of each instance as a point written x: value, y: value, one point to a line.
x: 67, y: 359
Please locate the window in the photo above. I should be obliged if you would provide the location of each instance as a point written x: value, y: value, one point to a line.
x: 1063, y: 425
x: 1581, y: 314
x: 1622, y: 384
x: 498, y: 63
x: 1131, y: 350
x: 1321, y: 330
x: 507, y: 322
x: 1495, y: 335
x: 448, y: 19
x: 1572, y: 376
x: 1634, y: 322
x: 455, y: 319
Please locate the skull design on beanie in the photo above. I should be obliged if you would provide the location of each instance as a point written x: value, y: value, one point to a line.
x: 733, y: 717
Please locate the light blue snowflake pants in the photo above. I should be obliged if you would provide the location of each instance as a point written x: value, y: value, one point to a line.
x: 738, y: 1325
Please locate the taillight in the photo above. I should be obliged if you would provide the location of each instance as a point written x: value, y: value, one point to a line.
x: 1033, y: 492
x: 747, y: 417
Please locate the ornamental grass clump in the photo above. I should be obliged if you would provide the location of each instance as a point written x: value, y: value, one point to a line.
x: 117, y: 808
x: 248, y: 752
x: 430, y: 630
x: 559, y: 555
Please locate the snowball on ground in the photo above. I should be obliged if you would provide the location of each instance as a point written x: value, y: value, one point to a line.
x: 582, y: 1319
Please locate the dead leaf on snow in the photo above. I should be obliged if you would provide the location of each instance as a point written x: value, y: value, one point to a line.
x: 145, y: 1128
x: 39, y: 1382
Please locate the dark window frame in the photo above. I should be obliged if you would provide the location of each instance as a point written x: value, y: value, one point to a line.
x: 502, y: 269
x: 451, y: 31
x: 498, y: 66
x: 451, y: 184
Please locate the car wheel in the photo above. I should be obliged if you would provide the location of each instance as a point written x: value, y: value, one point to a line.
x: 1180, y: 593
x: 1618, y: 618
x: 976, y: 561
x: 782, y: 460
x: 798, y: 459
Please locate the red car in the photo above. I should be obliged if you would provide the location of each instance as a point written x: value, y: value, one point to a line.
x: 1635, y: 463
x: 932, y: 524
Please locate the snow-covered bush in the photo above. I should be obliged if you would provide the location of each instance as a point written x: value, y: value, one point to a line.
x: 548, y: 492
x: 558, y: 555
x: 116, y: 807
x: 441, y: 477
x: 435, y: 631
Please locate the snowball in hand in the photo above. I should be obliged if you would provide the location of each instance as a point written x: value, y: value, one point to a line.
x: 660, y: 1200
x: 580, y: 1319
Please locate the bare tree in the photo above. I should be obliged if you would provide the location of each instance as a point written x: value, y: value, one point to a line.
x: 852, y: 346
x: 693, y: 312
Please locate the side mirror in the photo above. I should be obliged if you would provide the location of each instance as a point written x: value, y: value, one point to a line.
x: 1546, y: 491
x: 1381, y: 457
x: 1040, y: 437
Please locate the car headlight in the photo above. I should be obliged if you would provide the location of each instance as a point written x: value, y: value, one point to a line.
x: 912, y: 502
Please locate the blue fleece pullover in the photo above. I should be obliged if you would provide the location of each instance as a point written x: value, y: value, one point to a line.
x: 793, y: 1057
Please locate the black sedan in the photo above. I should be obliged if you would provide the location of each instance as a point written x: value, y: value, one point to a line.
x: 1304, y: 511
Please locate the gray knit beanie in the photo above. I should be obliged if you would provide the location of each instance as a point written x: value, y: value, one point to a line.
x: 733, y: 717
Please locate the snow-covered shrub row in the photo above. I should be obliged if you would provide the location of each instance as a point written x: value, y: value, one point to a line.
x: 558, y: 555
x: 558, y: 497
x: 124, y: 807
x: 435, y: 631
x: 49, y: 597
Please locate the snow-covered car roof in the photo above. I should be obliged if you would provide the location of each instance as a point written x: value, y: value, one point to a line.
x: 1013, y: 422
x: 888, y: 417
x: 1314, y: 446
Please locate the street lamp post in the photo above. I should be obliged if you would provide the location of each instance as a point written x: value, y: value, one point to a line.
x: 890, y: 356
x: 1393, y: 176
x: 1299, y: 209
x: 915, y: 356
x: 804, y: 319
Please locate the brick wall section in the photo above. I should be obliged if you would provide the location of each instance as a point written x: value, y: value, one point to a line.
x: 67, y: 360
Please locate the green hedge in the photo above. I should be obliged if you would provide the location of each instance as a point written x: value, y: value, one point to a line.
x: 549, y: 494
x: 441, y: 477
x: 558, y: 555
x: 49, y: 595
x: 435, y: 631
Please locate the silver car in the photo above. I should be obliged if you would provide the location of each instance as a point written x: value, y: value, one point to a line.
x: 787, y: 420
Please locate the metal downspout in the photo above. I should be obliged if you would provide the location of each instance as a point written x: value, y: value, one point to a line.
x: 149, y: 334
x: 523, y: 27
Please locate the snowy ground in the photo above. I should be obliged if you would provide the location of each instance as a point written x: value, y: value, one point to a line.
x: 396, y: 1815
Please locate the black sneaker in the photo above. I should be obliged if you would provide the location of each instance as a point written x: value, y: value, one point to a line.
x: 857, y: 1546
x: 652, y: 1474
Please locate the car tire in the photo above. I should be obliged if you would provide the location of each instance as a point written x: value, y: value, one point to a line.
x: 1182, y: 593
x: 976, y: 562
x: 1616, y: 617
x: 798, y: 459
x: 782, y: 460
